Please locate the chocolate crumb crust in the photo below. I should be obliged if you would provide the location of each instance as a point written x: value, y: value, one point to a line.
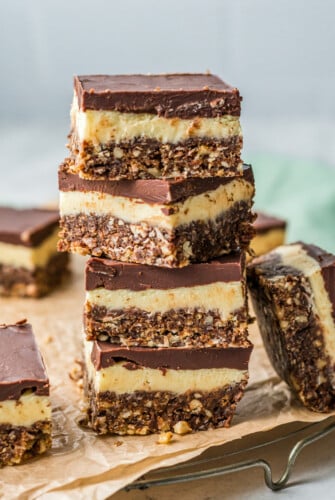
x: 19, y: 443
x: 191, y: 327
x: 292, y: 332
x: 144, y: 158
x: 170, y: 95
x: 200, y: 241
x: 27, y: 227
x: 21, y: 282
x: 142, y: 413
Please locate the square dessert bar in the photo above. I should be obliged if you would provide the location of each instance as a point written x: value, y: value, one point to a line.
x: 29, y: 262
x: 144, y: 390
x: 293, y: 293
x: 201, y: 305
x: 269, y: 233
x: 167, y: 223
x: 147, y: 126
x: 25, y: 410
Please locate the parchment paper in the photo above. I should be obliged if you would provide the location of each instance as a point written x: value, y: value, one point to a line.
x: 82, y: 465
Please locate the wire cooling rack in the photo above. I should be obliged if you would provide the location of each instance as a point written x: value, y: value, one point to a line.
x: 209, y: 467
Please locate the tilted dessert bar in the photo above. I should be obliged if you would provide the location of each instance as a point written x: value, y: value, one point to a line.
x: 147, y: 126
x: 269, y: 233
x: 25, y: 410
x: 29, y: 262
x: 293, y: 293
x: 157, y: 222
x: 144, y: 390
x: 200, y: 305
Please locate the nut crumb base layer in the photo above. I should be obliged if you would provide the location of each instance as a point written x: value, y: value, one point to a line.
x: 199, y: 241
x: 142, y: 412
x: 144, y: 158
x: 21, y: 282
x: 19, y: 443
x: 192, y: 327
x: 293, y: 335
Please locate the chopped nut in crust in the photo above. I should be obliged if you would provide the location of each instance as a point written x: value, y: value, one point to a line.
x: 182, y: 427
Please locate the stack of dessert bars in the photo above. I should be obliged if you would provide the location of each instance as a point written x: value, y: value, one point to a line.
x: 154, y: 190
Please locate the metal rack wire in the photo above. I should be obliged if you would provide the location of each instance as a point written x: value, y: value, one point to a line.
x: 209, y: 471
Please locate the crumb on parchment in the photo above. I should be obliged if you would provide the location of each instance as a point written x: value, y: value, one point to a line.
x: 77, y: 372
x: 165, y: 438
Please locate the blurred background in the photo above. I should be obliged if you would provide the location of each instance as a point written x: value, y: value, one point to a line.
x: 279, y: 54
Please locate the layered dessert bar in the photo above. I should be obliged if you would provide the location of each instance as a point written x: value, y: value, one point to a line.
x: 29, y: 262
x: 158, y: 222
x: 293, y: 293
x: 147, y: 126
x: 201, y: 305
x: 141, y: 390
x: 269, y: 233
x: 25, y: 410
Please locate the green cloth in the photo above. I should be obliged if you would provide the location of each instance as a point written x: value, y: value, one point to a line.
x: 302, y: 192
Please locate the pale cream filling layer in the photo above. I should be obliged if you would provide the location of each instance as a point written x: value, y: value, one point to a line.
x: 265, y: 242
x: 101, y: 127
x: 204, y: 206
x: 25, y: 411
x: 222, y: 297
x: 297, y: 257
x: 29, y: 257
x: 120, y: 380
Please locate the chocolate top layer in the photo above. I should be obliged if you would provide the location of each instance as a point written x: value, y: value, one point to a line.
x: 21, y: 364
x: 148, y: 190
x: 104, y: 355
x: 114, y: 275
x: 167, y: 95
x: 327, y: 264
x: 265, y: 222
x: 27, y: 227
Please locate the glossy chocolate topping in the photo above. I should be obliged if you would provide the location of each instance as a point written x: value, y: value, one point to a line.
x: 104, y: 355
x: 148, y: 190
x: 114, y: 275
x: 169, y: 95
x: 265, y: 222
x: 27, y: 227
x: 327, y: 264
x: 21, y: 364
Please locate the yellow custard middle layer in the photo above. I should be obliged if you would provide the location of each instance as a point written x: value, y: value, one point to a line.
x: 25, y: 411
x: 220, y: 296
x: 102, y: 127
x: 29, y: 257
